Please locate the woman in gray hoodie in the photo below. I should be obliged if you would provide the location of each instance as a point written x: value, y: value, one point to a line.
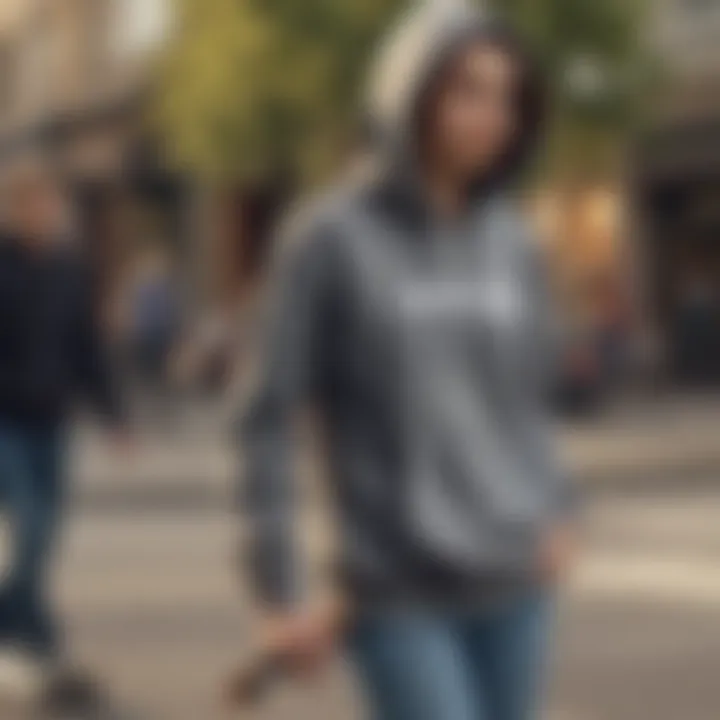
x: 412, y: 316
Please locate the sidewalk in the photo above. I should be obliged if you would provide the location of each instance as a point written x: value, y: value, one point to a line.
x: 659, y: 441
x: 188, y: 466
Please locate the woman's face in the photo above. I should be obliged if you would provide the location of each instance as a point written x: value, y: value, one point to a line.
x: 474, y: 120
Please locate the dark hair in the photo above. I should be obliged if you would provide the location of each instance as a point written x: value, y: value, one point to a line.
x: 531, y: 104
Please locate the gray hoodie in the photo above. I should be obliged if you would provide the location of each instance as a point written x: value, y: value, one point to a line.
x: 423, y: 345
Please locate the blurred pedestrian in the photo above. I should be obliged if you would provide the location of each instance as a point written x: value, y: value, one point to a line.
x: 152, y: 322
x: 412, y: 315
x: 154, y: 318
x: 51, y: 355
x: 612, y: 328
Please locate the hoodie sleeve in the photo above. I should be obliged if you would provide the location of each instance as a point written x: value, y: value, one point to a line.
x: 291, y: 354
x: 94, y: 369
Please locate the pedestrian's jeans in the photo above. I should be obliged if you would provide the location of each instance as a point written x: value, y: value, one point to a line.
x: 431, y: 665
x: 31, y: 496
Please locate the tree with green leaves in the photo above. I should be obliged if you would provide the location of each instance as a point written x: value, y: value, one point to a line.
x: 255, y: 86
x: 252, y: 87
x: 595, y: 57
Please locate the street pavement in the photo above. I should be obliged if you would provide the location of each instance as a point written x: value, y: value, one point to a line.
x: 192, y: 461
x: 147, y: 584
x: 153, y: 604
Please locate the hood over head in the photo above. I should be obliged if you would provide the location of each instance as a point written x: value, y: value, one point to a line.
x: 419, y: 49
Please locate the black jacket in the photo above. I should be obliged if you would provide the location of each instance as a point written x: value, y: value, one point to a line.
x: 51, y: 351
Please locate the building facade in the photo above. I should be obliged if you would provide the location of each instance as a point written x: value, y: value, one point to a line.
x: 677, y: 193
x: 74, y: 86
x: 73, y: 60
x: 76, y: 82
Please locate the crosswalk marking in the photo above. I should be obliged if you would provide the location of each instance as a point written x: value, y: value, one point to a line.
x: 682, y: 580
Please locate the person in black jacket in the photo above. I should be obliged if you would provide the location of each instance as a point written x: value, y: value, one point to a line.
x: 51, y: 355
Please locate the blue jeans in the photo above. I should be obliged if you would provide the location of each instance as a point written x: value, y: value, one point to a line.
x: 484, y: 665
x: 31, y: 494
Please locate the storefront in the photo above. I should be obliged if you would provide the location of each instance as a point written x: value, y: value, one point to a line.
x: 679, y: 209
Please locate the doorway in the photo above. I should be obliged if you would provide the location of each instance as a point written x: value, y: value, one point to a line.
x: 683, y: 250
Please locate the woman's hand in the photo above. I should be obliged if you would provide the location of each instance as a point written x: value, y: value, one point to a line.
x: 303, y: 640
x: 557, y: 553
